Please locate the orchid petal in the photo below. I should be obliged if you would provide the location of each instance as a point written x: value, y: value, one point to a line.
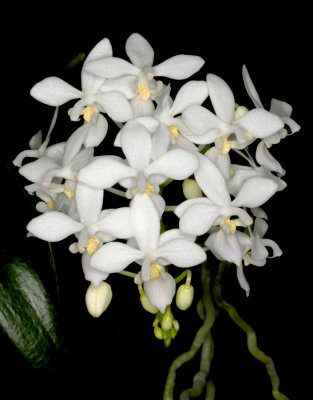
x: 265, y: 158
x: 136, y: 144
x: 179, y: 67
x: 255, y: 192
x: 258, y: 250
x: 53, y: 226
x: 211, y: 181
x: 116, y: 223
x: 277, y: 252
x: 139, y: 51
x: 260, y: 123
x: 116, y: 106
x: 35, y: 170
x: 280, y: 108
x: 145, y: 222
x: 181, y: 252
x: 160, y: 292
x: 54, y: 91
x: 172, y: 234
x: 111, y: 67
x: 89, y: 203
x: 104, y: 172
x: 250, y: 88
x: 114, y: 257
x: 222, y: 161
x: 101, y: 49
x: 74, y: 144
x: 125, y: 84
x: 91, y: 274
x: 200, y: 120
x: 199, y: 218
x: 222, y: 98
x: 191, y: 93
x: 228, y: 247
x: 242, y: 280
x: 176, y: 164
x: 142, y: 108
x: 160, y: 141
x: 179, y: 210
x: 97, y: 131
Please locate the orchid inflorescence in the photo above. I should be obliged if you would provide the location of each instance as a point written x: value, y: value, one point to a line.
x: 163, y: 139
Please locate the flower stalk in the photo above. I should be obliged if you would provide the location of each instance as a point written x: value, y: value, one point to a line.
x: 251, y: 335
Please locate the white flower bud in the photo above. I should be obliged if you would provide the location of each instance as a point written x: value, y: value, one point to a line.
x: 191, y: 189
x: 184, y: 296
x: 98, y: 299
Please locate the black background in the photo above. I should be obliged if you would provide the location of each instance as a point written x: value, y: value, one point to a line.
x: 117, y: 354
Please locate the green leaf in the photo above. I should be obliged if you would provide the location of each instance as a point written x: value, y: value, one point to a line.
x: 27, y: 315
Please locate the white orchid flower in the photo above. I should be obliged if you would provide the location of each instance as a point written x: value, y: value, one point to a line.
x: 258, y: 252
x: 93, y: 226
x: 279, y: 108
x: 154, y: 252
x: 141, y: 55
x: 223, y: 128
x: 172, y: 132
x: 94, y: 98
x: 139, y: 174
x: 241, y: 173
x: 198, y: 216
x: 37, y: 147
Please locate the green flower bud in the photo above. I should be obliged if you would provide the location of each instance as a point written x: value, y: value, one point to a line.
x: 167, y: 322
x: 98, y: 298
x: 147, y: 305
x: 184, y: 296
x: 158, y: 332
x: 191, y: 189
x: 167, y: 341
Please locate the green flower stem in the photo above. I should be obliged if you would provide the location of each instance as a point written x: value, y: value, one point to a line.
x: 52, y: 262
x: 199, y: 339
x: 210, y: 390
x: 180, y: 277
x: 128, y: 273
x: 199, y: 380
x: 251, y: 335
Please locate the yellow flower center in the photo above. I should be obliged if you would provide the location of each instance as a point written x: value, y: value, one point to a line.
x: 174, y: 131
x: 144, y: 91
x: 155, y: 271
x: 231, y: 224
x: 92, y: 245
x: 149, y: 189
x: 68, y: 193
x: 88, y: 113
x: 226, y: 146
x: 51, y: 204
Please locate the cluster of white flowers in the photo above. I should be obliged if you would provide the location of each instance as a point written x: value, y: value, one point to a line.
x: 162, y: 139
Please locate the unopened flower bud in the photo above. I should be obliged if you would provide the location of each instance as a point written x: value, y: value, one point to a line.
x: 191, y: 189
x: 98, y: 298
x: 158, y: 332
x: 147, y: 305
x: 184, y: 296
x: 167, y: 341
x: 167, y: 322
